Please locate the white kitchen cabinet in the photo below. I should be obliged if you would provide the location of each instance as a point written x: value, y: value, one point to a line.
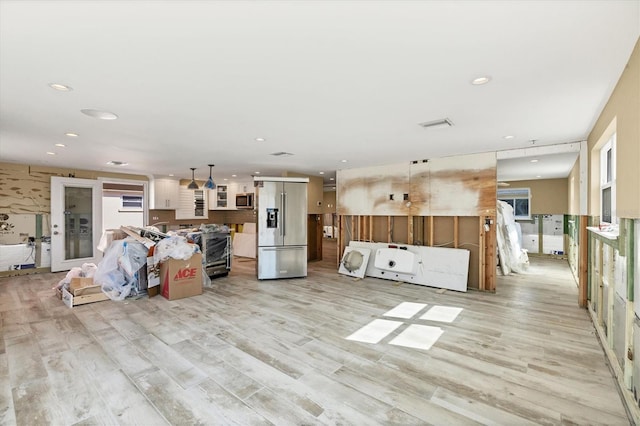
x: 164, y: 194
x: 222, y: 197
x: 192, y: 204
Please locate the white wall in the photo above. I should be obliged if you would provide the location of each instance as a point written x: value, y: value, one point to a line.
x: 113, y: 218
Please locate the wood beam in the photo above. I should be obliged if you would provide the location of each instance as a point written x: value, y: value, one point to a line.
x: 430, y: 231
x: 583, y: 262
x: 455, y: 232
x: 410, y: 230
x: 481, y: 252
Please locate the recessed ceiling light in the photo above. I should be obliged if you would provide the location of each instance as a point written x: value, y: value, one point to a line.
x: 509, y: 137
x: 60, y: 87
x: 60, y: 145
x: 481, y: 80
x: 234, y: 175
x: 96, y: 113
x: 334, y: 187
x: 534, y: 160
x: 343, y: 161
x: 71, y: 135
x: 171, y: 174
x: 117, y: 163
x: 225, y: 179
x: 321, y: 173
x: 51, y: 153
x: 538, y: 176
x: 257, y: 173
x: 331, y: 179
x: 260, y: 139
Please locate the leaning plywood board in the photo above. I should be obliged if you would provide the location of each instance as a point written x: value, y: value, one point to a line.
x: 436, y: 266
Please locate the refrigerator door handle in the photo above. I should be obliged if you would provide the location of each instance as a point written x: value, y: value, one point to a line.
x: 283, y: 217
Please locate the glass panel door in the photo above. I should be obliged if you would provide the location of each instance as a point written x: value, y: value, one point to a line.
x: 76, y: 218
x: 78, y: 225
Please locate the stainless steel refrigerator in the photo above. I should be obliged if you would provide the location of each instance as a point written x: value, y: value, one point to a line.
x: 282, y: 227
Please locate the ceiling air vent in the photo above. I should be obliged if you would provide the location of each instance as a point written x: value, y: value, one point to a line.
x: 437, y: 124
x: 282, y: 154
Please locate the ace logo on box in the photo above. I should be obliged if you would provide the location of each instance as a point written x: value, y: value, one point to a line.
x: 181, y: 278
x: 185, y: 273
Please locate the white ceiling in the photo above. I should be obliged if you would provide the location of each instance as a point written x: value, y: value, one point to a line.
x: 195, y: 82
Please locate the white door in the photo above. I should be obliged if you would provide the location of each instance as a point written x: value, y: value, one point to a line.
x: 76, y: 221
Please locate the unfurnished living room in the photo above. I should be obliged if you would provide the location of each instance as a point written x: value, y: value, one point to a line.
x: 319, y: 212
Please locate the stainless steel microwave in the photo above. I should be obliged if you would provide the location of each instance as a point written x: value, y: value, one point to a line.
x: 244, y: 200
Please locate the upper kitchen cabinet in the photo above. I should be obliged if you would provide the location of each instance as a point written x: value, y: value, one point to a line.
x: 192, y: 204
x: 223, y: 197
x: 164, y: 194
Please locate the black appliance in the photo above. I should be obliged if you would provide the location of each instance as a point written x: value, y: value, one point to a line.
x: 244, y: 200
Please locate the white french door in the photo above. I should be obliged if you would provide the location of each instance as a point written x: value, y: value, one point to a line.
x: 76, y: 222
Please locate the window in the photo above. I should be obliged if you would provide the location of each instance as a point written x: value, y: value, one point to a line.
x: 131, y: 202
x: 519, y: 199
x: 608, y: 181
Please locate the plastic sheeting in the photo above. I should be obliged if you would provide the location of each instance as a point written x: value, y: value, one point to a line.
x: 178, y: 247
x: 513, y: 258
x: 118, y: 270
x: 175, y: 247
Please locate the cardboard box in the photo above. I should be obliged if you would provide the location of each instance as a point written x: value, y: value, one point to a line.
x: 181, y: 278
x: 85, y: 295
x: 79, y: 282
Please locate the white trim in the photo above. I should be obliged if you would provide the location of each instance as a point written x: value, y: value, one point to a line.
x: 610, y: 145
x: 584, y: 178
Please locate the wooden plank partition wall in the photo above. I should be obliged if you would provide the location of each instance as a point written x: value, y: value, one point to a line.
x: 464, y: 232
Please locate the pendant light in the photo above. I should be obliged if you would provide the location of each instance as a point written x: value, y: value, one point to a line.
x: 193, y: 184
x: 210, y: 184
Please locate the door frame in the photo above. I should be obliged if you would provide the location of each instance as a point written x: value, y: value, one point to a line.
x: 145, y: 195
x: 58, y: 185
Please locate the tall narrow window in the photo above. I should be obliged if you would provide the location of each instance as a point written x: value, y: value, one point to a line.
x: 608, y: 181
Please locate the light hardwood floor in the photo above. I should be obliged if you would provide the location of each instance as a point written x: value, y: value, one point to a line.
x: 274, y: 352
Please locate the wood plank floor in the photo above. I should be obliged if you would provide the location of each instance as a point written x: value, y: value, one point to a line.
x: 274, y: 352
